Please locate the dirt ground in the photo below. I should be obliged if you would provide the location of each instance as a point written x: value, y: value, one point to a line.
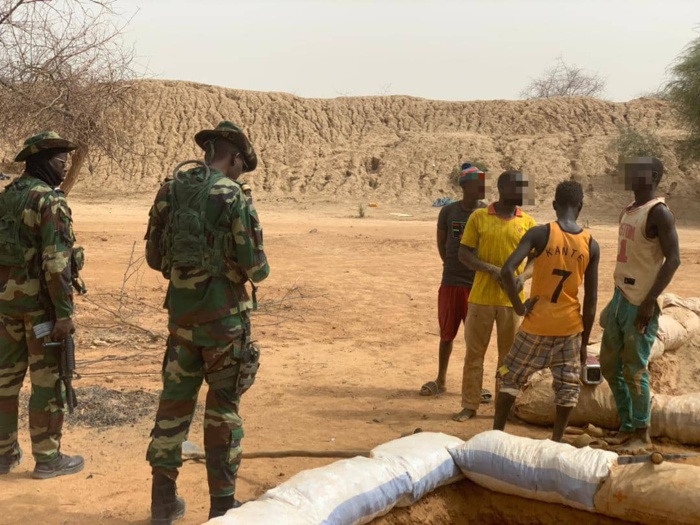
x: 349, y: 329
x: 467, y: 503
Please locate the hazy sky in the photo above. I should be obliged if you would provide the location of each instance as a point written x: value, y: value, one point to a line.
x: 440, y: 49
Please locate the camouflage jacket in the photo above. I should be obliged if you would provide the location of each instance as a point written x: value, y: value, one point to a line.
x: 194, y: 295
x: 46, y: 234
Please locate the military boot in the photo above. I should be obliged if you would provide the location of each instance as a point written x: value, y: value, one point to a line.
x: 220, y: 505
x: 61, y: 465
x: 8, y: 463
x: 166, y: 505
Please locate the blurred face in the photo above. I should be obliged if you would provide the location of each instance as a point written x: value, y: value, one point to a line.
x: 474, y: 189
x: 59, y: 164
x: 514, y: 189
x: 639, y: 177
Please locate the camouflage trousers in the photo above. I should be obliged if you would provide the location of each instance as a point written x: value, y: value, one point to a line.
x: 19, y: 351
x: 194, y: 354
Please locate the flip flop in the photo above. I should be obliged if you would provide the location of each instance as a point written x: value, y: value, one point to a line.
x: 486, y: 397
x: 431, y: 388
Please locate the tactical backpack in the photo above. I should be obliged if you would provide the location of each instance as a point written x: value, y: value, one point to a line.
x: 189, y: 238
x: 13, y: 201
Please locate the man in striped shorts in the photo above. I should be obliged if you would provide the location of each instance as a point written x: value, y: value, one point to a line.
x: 554, y: 333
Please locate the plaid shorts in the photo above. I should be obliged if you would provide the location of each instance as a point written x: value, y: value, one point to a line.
x: 532, y: 353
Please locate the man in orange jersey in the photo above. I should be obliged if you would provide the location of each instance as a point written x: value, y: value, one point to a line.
x: 647, y: 258
x: 554, y: 333
x: 489, y: 238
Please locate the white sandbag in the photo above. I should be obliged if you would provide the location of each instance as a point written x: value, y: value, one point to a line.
x: 348, y: 492
x: 426, y: 459
x: 677, y: 417
x: 671, y: 333
x: 535, y: 469
x: 264, y: 512
x: 652, y: 494
x: 596, y: 404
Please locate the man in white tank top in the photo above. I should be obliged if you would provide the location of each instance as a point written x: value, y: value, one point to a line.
x: 647, y: 258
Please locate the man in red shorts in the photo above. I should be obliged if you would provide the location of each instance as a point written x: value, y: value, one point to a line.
x: 457, y: 279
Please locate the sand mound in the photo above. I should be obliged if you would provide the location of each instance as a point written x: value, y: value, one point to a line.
x: 382, y: 148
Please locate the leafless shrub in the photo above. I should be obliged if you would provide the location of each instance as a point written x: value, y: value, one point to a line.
x: 64, y: 66
x: 564, y: 80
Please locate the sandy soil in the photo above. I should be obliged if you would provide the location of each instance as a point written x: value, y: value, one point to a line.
x: 349, y: 328
x: 466, y: 503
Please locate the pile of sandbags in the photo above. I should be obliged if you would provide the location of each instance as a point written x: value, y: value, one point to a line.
x: 679, y: 321
x: 356, y: 491
x: 586, y: 479
x: 676, y: 418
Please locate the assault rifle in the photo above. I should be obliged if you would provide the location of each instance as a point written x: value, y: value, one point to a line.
x: 66, y: 365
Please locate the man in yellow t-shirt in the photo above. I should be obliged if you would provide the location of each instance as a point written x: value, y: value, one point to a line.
x: 490, y: 236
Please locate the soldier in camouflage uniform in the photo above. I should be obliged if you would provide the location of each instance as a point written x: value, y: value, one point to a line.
x: 205, y: 237
x: 36, y: 247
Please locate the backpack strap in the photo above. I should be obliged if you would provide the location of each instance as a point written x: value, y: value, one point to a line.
x: 13, y: 201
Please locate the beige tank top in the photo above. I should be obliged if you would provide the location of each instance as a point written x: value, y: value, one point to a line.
x: 639, y: 258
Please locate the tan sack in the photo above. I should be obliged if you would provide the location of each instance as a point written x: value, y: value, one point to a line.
x: 667, y: 494
x: 677, y: 417
x: 596, y: 404
x: 671, y: 333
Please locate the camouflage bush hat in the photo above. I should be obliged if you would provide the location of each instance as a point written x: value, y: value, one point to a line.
x: 234, y: 134
x: 43, y: 141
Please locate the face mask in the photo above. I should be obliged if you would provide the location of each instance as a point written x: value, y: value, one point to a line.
x: 39, y: 166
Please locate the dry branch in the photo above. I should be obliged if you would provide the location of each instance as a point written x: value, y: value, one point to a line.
x: 118, y: 317
x: 64, y: 66
x: 565, y: 80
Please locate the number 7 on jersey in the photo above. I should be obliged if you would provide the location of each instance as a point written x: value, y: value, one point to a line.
x: 564, y: 276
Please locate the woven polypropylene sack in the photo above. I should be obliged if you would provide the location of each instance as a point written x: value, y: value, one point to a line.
x: 426, y: 459
x: 535, y: 469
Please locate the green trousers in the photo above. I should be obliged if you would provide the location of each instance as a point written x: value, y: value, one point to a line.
x: 192, y: 355
x: 624, y: 356
x: 21, y: 351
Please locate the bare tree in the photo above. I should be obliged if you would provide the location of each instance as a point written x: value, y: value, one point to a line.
x: 564, y: 80
x: 63, y: 66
